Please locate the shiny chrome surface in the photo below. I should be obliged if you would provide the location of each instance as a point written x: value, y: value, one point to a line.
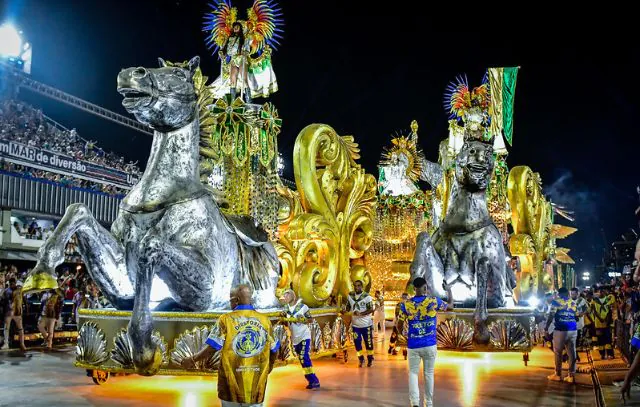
x: 170, y: 242
x: 466, y: 252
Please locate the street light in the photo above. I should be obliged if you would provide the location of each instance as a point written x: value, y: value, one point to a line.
x: 10, y: 41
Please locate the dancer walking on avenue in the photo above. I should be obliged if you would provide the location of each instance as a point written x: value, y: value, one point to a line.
x: 297, y: 315
x: 245, y: 339
x: 420, y: 314
x: 564, y: 313
x: 360, y: 304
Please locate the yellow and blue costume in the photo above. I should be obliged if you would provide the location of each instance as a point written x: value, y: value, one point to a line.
x: 564, y: 311
x: 420, y: 312
x: 297, y: 316
x: 362, y: 325
x: 602, y: 317
x: 245, y: 339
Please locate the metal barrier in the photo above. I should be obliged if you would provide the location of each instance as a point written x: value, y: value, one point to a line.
x: 49, y: 198
x: 597, y: 388
x: 623, y: 339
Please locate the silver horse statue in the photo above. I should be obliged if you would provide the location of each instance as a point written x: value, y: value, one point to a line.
x: 466, y: 251
x: 170, y: 241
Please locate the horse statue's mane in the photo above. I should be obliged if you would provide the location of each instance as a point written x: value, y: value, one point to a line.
x: 205, y: 99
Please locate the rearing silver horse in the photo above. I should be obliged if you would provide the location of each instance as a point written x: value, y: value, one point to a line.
x: 170, y: 241
x: 466, y: 252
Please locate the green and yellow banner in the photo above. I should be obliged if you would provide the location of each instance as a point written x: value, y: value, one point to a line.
x: 503, y: 89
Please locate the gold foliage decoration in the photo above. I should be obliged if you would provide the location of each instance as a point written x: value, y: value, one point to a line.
x: 334, y: 225
x: 535, y: 234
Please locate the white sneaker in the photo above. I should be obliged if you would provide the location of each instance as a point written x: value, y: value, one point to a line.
x: 5, y: 346
x: 554, y: 378
x: 570, y: 379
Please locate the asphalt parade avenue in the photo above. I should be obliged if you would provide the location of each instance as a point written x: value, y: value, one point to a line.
x: 462, y: 379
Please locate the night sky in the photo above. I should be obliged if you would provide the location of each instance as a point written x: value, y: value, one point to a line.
x: 368, y: 72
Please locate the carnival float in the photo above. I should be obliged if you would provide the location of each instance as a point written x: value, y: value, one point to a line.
x: 479, y: 221
x: 211, y: 212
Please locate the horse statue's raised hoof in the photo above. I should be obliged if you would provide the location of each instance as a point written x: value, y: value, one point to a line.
x: 481, y: 333
x: 40, y: 278
x: 148, y: 362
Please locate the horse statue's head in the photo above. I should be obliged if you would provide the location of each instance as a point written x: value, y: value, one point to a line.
x: 474, y: 165
x: 163, y: 98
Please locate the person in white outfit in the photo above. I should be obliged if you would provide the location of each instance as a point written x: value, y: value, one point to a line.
x: 297, y: 315
x: 360, y: 304
x: 378, y: 314
x: 420, y: 313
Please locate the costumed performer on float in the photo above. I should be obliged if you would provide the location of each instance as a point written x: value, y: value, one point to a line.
x: 244, y: 48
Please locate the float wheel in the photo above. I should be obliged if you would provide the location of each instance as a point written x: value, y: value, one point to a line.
x: 99, y: 377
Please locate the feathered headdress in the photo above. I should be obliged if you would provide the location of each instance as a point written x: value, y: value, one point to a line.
x: 262, y: 27
x: 459, y: 99
x: 471, y: 106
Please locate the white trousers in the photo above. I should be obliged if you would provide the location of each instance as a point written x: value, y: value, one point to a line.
x: 378, y: 318
x: 427, y: 356
x: 234, y: 404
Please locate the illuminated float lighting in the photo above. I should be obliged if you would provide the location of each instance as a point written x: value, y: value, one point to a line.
x: 533, y: 302
x: 216, y: 178
x: 280, y: 164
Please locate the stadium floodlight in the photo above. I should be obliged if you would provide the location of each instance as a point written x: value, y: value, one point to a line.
x: 10, y: 41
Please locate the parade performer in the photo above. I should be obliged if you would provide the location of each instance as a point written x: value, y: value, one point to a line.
x: 634, y: 369
x: 245, y: 339
x: 360, y: 304
x: 564, y: 313
x: 589, y: 325
x: 244, y: 48
x: 297, y: 315
x: 51, y: 311
x: 601, y: 314
x: 583, y: 307
x: 234, y: 53
x: 378, y: 315
x: 394, y: 339
x: 420, y: 313
x: 11, y: 301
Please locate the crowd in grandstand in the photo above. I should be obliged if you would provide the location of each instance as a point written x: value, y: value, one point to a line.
x: 33, y: 231
x: 22, y: 123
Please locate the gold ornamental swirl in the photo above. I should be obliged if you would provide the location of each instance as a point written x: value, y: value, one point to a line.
x: 336, y: 228
x: 289, y: 207
x: 534, y: 232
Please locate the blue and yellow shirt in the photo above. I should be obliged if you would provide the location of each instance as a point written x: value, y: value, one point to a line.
x: 565, y: 311
x: 245, y: 339
x: 420, y: 312
x: 635, y: 339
